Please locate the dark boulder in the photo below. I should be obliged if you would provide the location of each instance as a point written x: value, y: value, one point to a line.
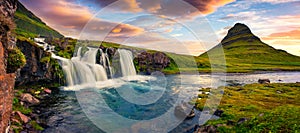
x: 264, y: 81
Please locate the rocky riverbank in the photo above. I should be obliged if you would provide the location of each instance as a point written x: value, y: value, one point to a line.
x: 25, y: 116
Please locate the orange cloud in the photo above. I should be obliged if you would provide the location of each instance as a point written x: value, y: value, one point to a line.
x: 294, y: 34
x: 288, y: 41
x: 289, y: 35
x: 125, y: 30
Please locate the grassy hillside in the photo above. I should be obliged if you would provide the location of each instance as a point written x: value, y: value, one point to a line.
x: 29, y: 25
x: 244, y: 52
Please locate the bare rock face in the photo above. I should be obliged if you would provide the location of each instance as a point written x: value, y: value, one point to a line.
x: 145, y: 62
x: 7, y: 9
x: 149, y: 62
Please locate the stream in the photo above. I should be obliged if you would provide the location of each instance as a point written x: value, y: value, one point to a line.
x: 109, y: 109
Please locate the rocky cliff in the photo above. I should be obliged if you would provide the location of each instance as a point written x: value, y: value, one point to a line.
x: 148, y: 62
x: 145, y: 62
x: 7, y: 42
x: 40, y: 67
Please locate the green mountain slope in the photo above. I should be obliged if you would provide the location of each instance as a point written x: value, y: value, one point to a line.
x: 29, y: 25
x: 245, y: 52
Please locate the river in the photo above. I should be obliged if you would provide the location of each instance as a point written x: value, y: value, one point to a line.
x: 110, y: 108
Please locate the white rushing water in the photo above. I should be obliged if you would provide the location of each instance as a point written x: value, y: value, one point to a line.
x: 126, y: 61
x: 84, y: 71
x: 104, y: 61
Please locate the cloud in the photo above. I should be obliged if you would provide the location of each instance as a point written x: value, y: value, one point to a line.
x: 150, y: 5
x: 222, y: 32
x: 252, y: 15
x: 293, y: 34
x: 121, y: 5
x: 274, y: 1
x: 177, y: 35
x: 59, y: 13
x: 97, y: 29
x: 208, y: 6
x: 171, y: 8
x: 69, y: 19
x: 189, y: 9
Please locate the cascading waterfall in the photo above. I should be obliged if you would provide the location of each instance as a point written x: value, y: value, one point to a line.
x: 126, y: 61
x: 104, y: 61
x: 84, y: 70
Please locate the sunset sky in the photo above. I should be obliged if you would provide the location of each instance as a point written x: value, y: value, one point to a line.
x: 185, y: 27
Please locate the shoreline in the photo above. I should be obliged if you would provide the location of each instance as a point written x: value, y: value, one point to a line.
x: 234, y: 73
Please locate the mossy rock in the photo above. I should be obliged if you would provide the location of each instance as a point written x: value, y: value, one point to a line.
x: 16, y: 59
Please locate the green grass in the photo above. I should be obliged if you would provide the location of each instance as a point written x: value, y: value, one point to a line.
x: 243, y: 56
x: 28, y: 25
x: 268, y: 107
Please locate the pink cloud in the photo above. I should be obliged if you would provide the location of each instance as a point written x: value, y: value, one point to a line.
x: 70, y: 19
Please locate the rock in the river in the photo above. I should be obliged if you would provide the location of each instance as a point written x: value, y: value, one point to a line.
x: 23, y: 117
x: 181, y: 111
x: 26, y: 97
x: 264, y: 81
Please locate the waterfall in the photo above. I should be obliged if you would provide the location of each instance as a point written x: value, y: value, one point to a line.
x: 79, y: 52
x: 81, y: 70
x: 104, y: 61
x: 126, y: 62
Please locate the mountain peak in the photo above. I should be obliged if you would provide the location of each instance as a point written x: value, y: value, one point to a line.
x: 239, y: 28
x: 239, y: 32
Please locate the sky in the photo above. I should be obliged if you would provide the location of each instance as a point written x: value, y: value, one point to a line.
x: 180, y: 26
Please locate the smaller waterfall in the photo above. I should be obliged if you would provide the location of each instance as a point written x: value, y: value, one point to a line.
x: 126, y: 61
x: 82, y: 70
x: 104, y: 61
